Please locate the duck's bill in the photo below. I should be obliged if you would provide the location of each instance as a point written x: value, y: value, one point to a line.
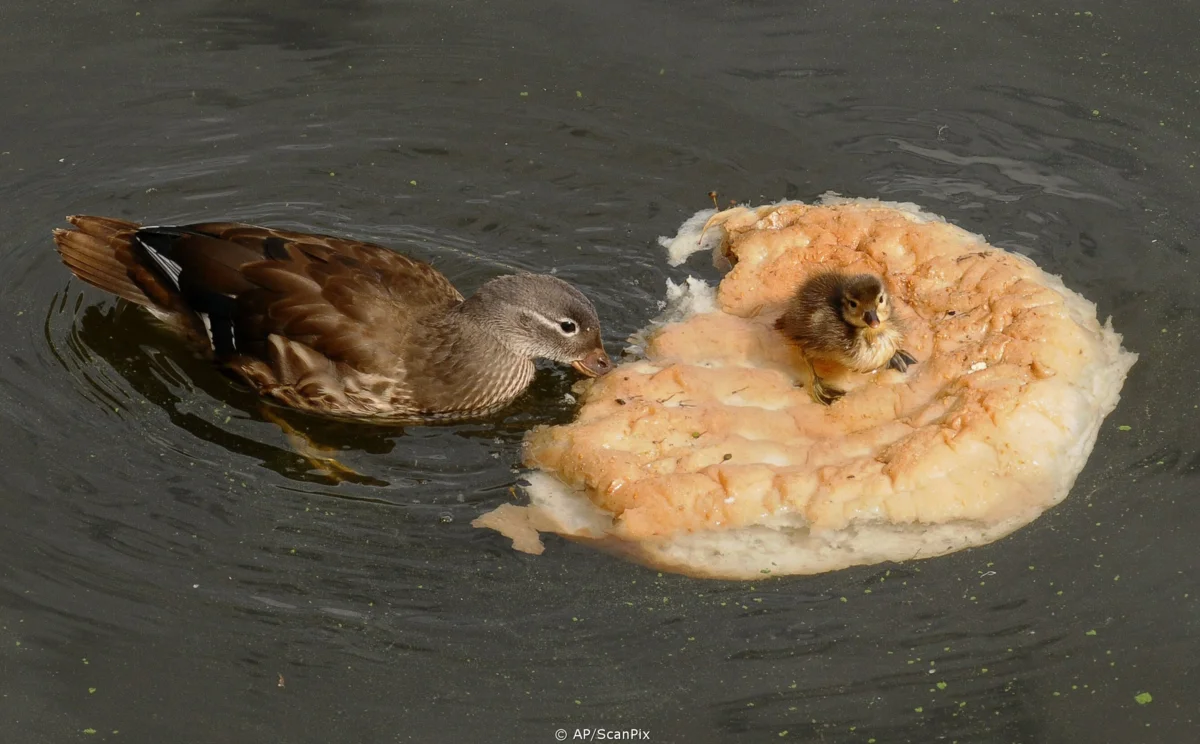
x: 594, y: 364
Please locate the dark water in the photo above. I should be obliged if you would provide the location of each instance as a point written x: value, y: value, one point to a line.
x: 171, y: 571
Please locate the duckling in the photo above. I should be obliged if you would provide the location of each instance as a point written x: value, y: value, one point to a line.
x: 846, y: 319
x: 339, y: 327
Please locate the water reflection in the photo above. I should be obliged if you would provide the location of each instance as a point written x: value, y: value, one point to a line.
x: 145, y: 363
x: 305, y: 26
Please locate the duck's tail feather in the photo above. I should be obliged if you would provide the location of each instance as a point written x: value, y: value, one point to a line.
x: 98, y: 252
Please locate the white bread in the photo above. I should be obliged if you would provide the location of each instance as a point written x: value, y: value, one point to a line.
x: 704, y: 454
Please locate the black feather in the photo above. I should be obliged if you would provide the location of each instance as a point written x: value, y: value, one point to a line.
x: 162, y: 246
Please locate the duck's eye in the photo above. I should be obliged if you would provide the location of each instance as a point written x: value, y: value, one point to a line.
x: 881, y: 299
x: 853, y: 304
x: 568, y: 327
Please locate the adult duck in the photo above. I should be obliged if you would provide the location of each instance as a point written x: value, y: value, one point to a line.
x: 335, y: 326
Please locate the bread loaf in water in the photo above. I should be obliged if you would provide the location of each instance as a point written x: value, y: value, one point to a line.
x: 704, y: 454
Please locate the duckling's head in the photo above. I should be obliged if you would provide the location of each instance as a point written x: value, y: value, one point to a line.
x: 537, y: 316
x: 864, y: 301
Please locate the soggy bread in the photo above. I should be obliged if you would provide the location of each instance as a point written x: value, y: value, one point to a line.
x: 705, y: 455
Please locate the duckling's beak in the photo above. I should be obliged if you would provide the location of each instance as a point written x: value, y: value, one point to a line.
x: 595, y: 364
x: 872, y: 318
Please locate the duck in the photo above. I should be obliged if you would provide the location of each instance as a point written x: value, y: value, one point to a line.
x: 847, y: 319
x: 339, y: 327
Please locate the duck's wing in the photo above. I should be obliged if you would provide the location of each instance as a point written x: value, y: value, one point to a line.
x: 236, y: 286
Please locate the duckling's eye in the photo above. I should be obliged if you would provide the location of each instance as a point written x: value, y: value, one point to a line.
x: 568, y: 327
x: 853, y: 304
x: 881, y: 299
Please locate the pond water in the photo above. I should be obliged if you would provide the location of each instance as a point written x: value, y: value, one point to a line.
x: 170, y: 569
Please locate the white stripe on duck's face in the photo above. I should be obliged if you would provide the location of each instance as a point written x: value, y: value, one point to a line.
x: 565, y: 335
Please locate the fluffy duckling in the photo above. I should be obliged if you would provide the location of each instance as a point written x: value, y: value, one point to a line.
x: 339, y: 327
x: 846, y: 319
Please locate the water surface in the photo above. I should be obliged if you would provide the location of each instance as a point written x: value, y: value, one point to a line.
x: 170, y: 570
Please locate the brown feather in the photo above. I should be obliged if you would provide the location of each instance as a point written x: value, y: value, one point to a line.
x: 104, y: 228
x: 214, y: 264
x: 91, y: 258
x: 100, y: 252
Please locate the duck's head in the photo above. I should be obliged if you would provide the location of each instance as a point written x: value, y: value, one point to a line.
x: 864, y: 301
x: 542, y: 317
